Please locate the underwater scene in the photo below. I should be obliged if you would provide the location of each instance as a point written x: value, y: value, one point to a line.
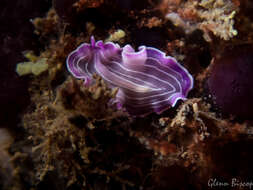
x: 126, y: 94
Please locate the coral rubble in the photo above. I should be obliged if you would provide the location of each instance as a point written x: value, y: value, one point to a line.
x: 216, y: 17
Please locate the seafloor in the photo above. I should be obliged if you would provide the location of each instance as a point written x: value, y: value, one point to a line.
x: 55, y: 133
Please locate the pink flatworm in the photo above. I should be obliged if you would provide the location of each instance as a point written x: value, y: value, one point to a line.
x: 148, y: 80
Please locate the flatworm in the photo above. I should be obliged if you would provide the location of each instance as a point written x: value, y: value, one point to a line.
x: 148, y: 80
